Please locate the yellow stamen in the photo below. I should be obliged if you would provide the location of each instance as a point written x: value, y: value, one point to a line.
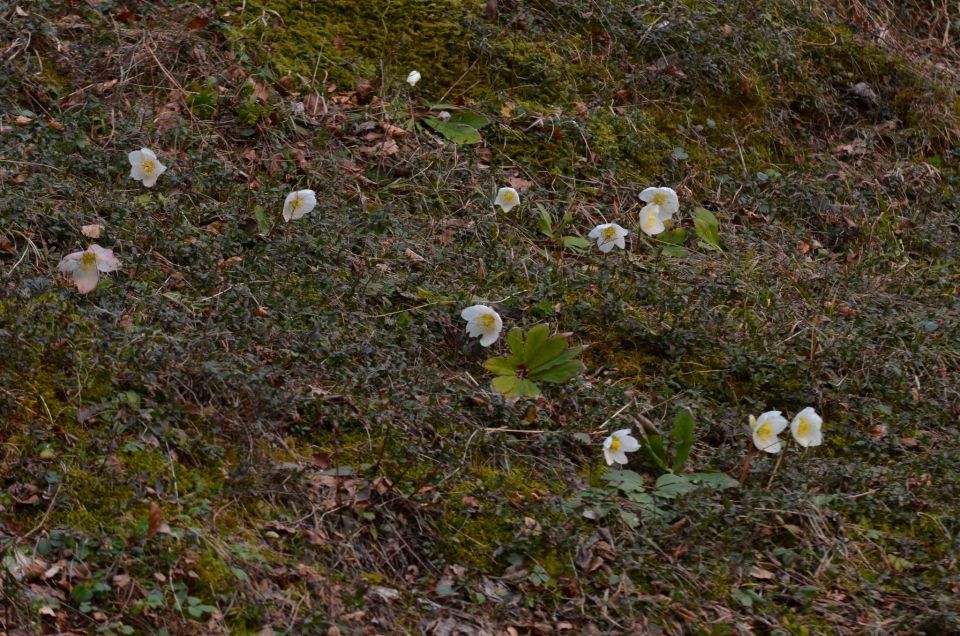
x: 148, y: 167
x: 88, y: 260
x: 615, y: 443
x: 803, y: 428
x: 765, y: 432
x: 295, y: 203
x: 609, y: 234
x: 487, y: 322
x: 660, y: 198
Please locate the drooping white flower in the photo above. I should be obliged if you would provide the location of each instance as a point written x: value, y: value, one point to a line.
x: 652, y: 218
x: 806, y: 428
x: 483, y: 323
x: 413, y: 78
x: 609, y: 235
x: 665, y: 198
x: 87, y: 265
x: 507, y: 198
x: 616, y: 447
x: 765, y: 430
x: 144, y: 166
x: 298, y: 203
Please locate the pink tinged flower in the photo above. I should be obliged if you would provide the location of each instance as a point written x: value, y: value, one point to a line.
x: 86, y: 266
x: 145, y: 167
x: 616, y: 447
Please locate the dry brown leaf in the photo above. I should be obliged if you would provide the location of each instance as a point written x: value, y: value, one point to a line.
x: 92, y: 231
x: 413, y: 256
x: 261, y: 91
x: 760, y: 573
x: 154, y: 520
x: 22, y: 120
x: 169, y: 114
x: 519, y: 184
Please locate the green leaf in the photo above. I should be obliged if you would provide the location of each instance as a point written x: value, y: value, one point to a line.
x: 501, y: 366
x: 676, y: 236
x: 670, y: 486
x: 630, y: 518
x: 675, y: 251
x: 576, y: 242
x: 261, y: 218
x: 708, y: 228
x: 513, y: 387
x: 536, y: 337
x: 559, y: 373
x: 653, y: 444
x: 682, y: 435
x: 515, y: 340
x: 626, y: 480
x: 457, y: 133
x: 719, y: 481
x: 546, y: 351
x: 546, y: 222
x: 561, y: 358
x: 467, y: 118
x: 441, y: 106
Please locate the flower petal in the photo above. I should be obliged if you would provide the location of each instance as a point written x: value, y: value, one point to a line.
x: 473, y: 311
x: 70, y: 262
x: 86, y: 279
x: 489, y: 338
x: 648, y: 194
x: 106, y: 261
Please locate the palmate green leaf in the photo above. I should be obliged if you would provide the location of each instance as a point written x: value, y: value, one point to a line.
x: 682, y: 435
x: 545, y: 352
x: 513, y: 387
x: 675, y: 251
x: 670, y: 486
x: 536, y: 337
x: 561, y: 358
x: 515, y: 340
x: 501, y: 366
x: 720, y: 481
x: 626, y: 480
x: 560, y: 373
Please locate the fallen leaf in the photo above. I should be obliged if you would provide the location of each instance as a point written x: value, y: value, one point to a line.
x: 22, y: 120
x: 154, y: 520
x: 519, y: 184
x: 413, y: 256
x: 760, y: 573
x: 92, y: 231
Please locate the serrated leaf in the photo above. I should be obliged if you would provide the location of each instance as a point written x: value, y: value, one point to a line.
x: 501, y: 366
x: 708, y: 228
x: 468, y: 118
x: 682, y: 435
x: 576, y: 242
x: 515, y: 340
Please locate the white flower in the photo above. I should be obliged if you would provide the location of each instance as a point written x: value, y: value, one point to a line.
x: 608, y: 235
x: 507, y: 198
x: 765, y: 430
x: 806, y: 428
x: 482, y: 322
x: 665, y: 198
x: 298, y: 203
x: 444, y: 115
x: 413, y: 78
x: 86, y: 266
x: 144, y: 166
x: 652, y: 217
x: 616, y: 447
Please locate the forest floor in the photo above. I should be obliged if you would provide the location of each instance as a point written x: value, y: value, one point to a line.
x: 260, y: 427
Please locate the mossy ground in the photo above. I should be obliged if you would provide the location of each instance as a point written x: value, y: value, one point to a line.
x: 296, y: 407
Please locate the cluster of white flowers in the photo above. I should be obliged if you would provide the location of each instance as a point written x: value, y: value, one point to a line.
x: 805, y: 427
